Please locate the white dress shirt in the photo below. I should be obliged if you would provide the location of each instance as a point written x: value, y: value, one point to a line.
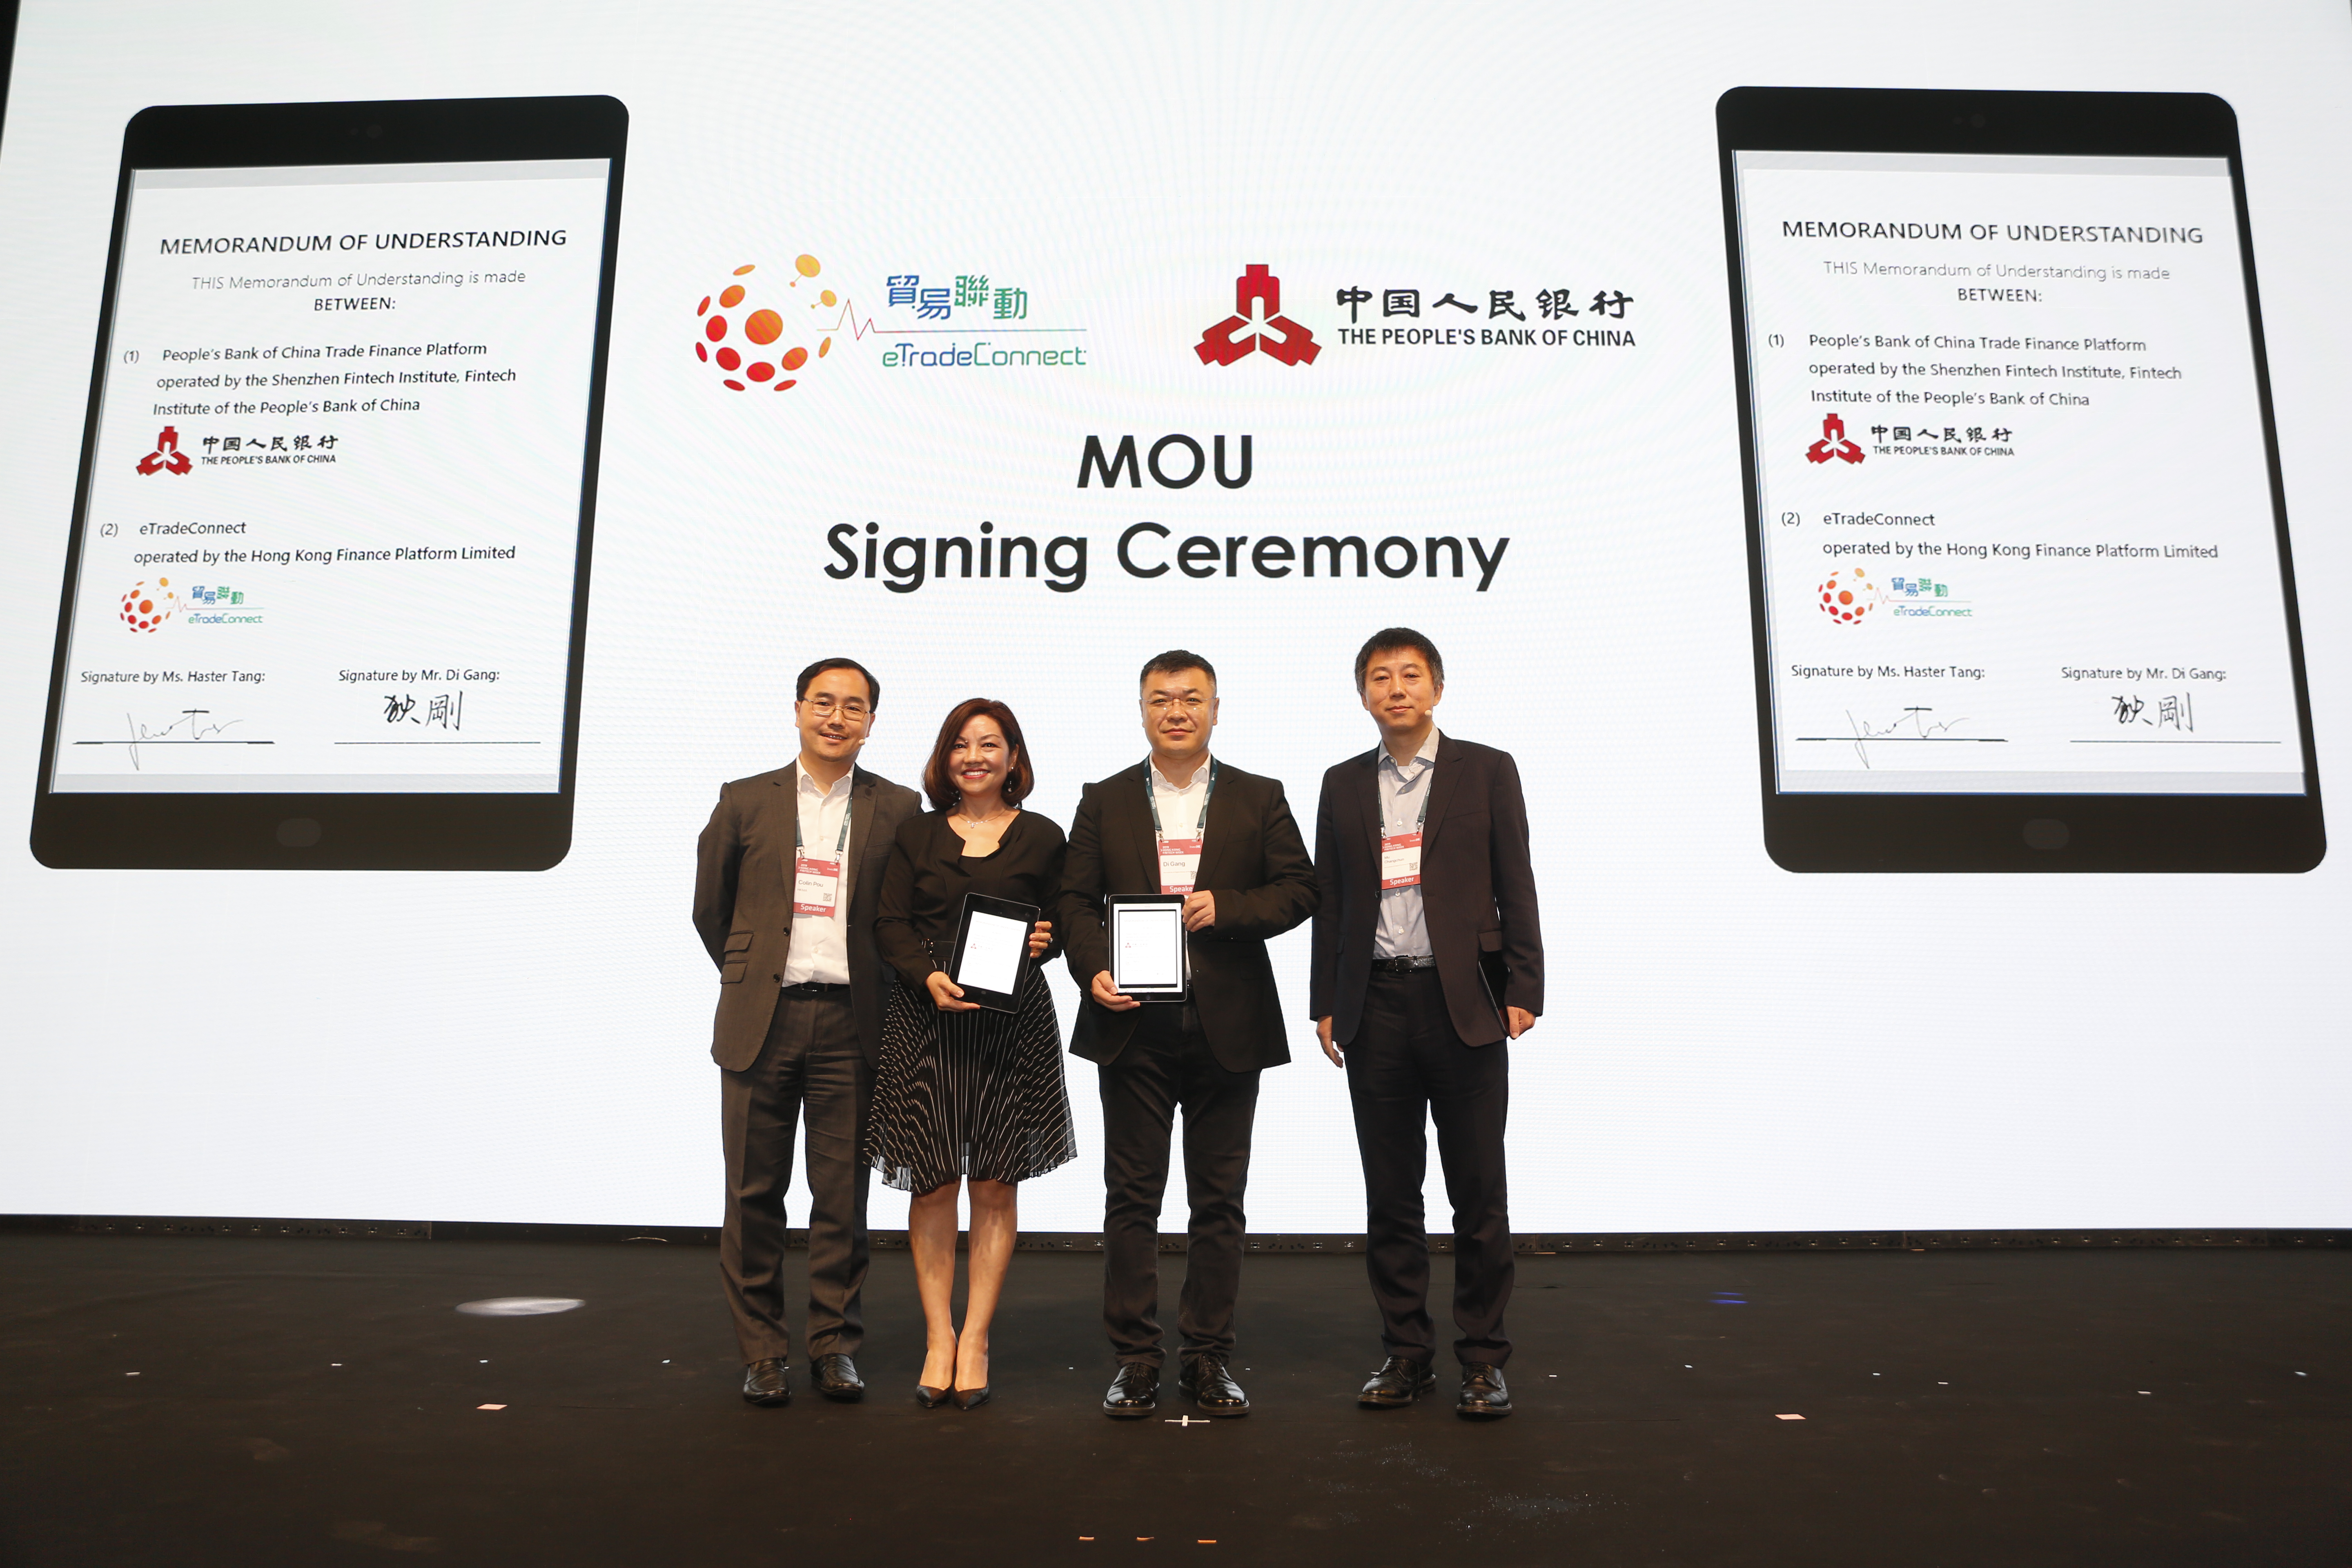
x: 820, y: 945
x: 1181, y: 806
x: 1403, y: 932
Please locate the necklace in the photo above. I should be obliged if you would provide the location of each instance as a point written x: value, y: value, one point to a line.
x: 985, y: 821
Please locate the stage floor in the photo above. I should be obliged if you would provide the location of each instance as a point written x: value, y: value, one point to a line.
x: 2012, y: 1408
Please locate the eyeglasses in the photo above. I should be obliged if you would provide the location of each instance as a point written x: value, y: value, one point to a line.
x: 823, y: 708
x: 1161, y: 704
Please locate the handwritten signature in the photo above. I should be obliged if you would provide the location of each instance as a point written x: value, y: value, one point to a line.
x: 1911, y: 725
x: 193, y: 724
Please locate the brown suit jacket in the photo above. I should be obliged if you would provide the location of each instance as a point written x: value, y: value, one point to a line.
x: 1477, y: 888
x: 743, y: 902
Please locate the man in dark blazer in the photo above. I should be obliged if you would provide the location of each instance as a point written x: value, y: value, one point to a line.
x: 1428, y: 957
x: 1182, y: 823
x: 786, y: 877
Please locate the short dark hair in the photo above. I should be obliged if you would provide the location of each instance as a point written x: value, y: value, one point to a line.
x: 873, y: 687
x: 1018, y: 779
x: 1175, y: 661
x: 1395, y: 637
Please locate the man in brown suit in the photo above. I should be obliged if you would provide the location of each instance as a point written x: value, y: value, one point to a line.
x: 786, y: 877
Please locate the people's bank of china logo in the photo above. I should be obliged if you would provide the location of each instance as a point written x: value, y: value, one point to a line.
x: 166, y: 458
x: 1834, y: 443
x: 1257, y: 325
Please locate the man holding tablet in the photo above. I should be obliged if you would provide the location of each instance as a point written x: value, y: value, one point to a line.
x: 1428, y: 957
x: 786, y: 877
x: 1220, y: 846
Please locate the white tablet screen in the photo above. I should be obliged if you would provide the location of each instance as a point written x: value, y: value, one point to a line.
x: 334, y: 508
x: 992, y: 950
x: 1147, y: 946
x: 2018, y: 528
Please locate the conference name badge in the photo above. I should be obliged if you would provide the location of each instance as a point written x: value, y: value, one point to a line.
x: 1401, y: 860
x: 1180, y: 864
x: 817, y: 887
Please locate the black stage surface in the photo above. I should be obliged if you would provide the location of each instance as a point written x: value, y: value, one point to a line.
x: 2143, y: 1407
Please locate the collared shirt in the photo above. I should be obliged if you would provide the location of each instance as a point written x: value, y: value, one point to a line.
x: 1181, y: 807
x: 820, y: 945
x: 1403, y: 933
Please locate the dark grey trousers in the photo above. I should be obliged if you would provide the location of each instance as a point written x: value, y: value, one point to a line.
x: 1406, y: 1069
x: 1168, y: 1065
x: 811, y: 1061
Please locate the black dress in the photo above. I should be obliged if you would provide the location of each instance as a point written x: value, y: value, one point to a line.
x: 979, y: 1094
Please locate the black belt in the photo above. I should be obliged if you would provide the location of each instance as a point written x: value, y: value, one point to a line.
x: 1403, y: 965
x: 814, y: 988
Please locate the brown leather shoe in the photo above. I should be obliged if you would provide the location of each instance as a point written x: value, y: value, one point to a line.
x: 1485, y: 1394
x: 1209, y: 1382
x: 1400, y: 1381
x: 764, y: 1384
x: 836, y: 1377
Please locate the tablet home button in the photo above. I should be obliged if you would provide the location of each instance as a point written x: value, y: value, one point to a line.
x: 2045, y: 833
x: 302, y: 832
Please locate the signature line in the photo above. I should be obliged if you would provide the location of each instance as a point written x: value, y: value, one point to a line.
x: 193, y: 719
x: 1914, y: 719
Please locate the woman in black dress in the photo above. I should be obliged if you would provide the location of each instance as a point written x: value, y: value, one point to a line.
x: 963, y: 1094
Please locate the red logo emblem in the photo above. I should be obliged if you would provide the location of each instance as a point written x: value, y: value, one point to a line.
x: 166, y: 454
x: 1257, y: 325
x: 1833, y: 443
x: 1848, y: 595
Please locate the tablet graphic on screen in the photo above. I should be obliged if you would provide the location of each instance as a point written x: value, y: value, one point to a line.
x: 327, y: 585
x: 2019, y: 552
x: 1148, y: 956
x: 992, y: 951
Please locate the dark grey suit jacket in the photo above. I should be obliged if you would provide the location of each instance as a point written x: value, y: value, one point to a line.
x: 1477, y: 888
x: 743, y: 902
x: 1252, y: 857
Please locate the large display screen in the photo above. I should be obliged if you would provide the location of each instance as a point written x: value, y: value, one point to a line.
x: 1001, y: 350
x: 335, y: 498
x: 2007, y: 411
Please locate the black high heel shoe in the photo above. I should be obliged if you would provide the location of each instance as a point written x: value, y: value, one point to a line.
x: 931, y: 1398
x: 972, y: 1398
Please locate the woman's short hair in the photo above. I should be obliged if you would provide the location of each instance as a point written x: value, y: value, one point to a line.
x: 940, y: 786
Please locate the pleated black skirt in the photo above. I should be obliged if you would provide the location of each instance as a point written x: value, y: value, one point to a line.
x: 978, y: 1095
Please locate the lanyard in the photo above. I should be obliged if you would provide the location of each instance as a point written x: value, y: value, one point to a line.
x: 1152, y: 795
x: 839, y: 845
x: 1380, y: 752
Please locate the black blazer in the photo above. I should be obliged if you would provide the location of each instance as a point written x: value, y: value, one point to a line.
x: 1252, y: 857
x: 1477, y: 888
x: 743, y: 902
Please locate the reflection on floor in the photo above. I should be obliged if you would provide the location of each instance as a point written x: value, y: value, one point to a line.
x: 255, y: 1401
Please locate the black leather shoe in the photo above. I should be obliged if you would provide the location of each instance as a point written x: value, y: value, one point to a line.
x: 836, y: 1377
x: 1400, y: 1381
x: 929, y: 1398
x: 764, y: 1382
x: 1209, y: 1382
x: 1135, y: 1392
x: 972, y: 1398
x: 1485, y: 1394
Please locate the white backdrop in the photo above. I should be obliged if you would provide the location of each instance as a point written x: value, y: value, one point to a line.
x: 1726, y: 1045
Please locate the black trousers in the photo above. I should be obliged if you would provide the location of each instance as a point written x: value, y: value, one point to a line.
x: 1167, y: 1065
x: 811, y: 1061
x: 1406, y: 1067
